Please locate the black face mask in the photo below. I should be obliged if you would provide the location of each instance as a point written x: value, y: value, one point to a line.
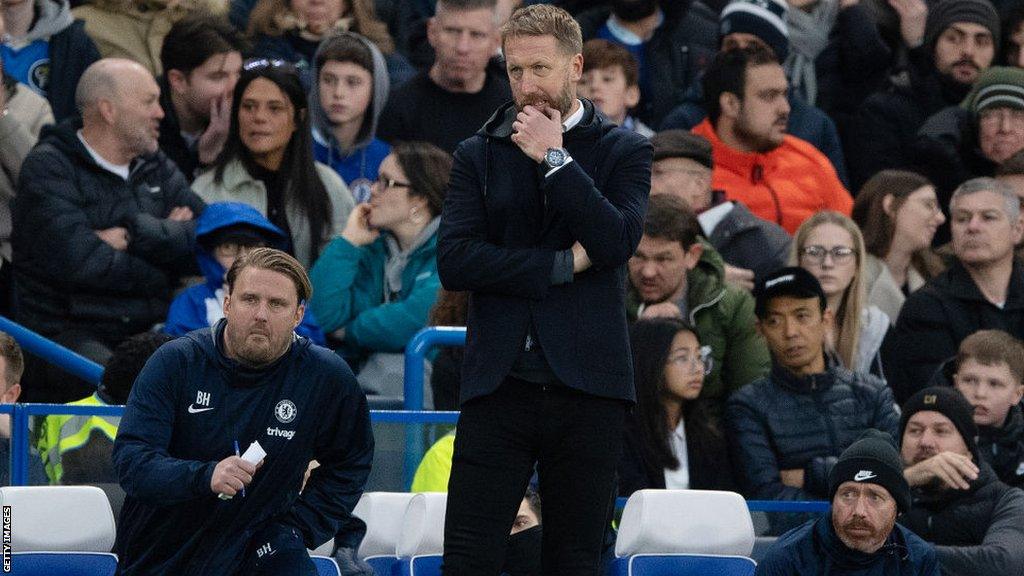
x: 633, y: 10
x: 522, y: 557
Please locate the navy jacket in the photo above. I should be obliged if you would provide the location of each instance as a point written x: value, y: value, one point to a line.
x: 784, y: 422
x: 188, y: 406
x: 814, y: 548
x: 502, y: 227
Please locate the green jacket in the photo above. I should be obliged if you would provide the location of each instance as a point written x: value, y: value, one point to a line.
x: 724, y: 318
x: 348, y: 292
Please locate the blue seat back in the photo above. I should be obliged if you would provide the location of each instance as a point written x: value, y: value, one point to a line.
x: 325, y: 566
x: 683, y: 565
x: 382, y: 565
x: 426, y: 565
x: 63, y: 563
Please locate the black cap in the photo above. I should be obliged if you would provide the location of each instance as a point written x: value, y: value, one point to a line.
x: 682, y: 144
x: 872, y: 459
x: 242, y: 234
x: 950, y: 403
x: 792, y: 281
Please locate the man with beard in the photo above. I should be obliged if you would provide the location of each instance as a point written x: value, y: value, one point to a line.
x: 982, y: 289
x: 544, y: 208
x: 102, y: 224
x: 447, y: 103
x: 779, y: 177
x: 200, y: 398
x: 959, y: 42
x: 975, y: 521
x: 672, y: 42
x: 859, y: 535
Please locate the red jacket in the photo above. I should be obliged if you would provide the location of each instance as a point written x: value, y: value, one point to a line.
x: 786, y: 185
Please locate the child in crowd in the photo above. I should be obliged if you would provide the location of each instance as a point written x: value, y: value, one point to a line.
x: 224, y: 232
x: 348, y: 94
x: 611, y: 79
x: 990, y: 374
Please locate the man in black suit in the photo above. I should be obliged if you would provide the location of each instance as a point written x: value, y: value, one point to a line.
x: 544, y: 209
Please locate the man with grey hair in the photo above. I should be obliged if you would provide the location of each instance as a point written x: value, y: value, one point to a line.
x: 449, y: 102
x: 103, y: 223
x: 982, y: 289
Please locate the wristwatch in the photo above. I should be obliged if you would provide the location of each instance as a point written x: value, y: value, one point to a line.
x: 554, y: 158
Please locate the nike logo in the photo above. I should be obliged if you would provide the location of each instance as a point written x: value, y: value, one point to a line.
x: 193, y: 410
x: 864, y: 475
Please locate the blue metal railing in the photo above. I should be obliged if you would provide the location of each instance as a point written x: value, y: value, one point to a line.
x: 416, y: 351
x: 52, y: 352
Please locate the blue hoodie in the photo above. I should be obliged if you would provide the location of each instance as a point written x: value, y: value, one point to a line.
x: 201, y: 306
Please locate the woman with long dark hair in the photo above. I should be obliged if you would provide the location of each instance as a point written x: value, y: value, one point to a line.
x: 672, y: 440
x: 267, y: 161
x: 898, y: 214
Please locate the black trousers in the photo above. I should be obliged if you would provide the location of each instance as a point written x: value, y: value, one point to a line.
x: 576, y: 441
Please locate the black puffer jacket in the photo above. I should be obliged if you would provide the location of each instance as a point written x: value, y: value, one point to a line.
x: 1003, y: 448
x: 679, y: 50
x: 785, y: 422
x: 67, y: 277
x: 936, y: 318
x: 978, y: 531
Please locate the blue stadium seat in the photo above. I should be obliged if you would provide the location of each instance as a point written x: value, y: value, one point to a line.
x: 427, y: 565
x: 63, y: 563
x: 325, y: 566
x: 683, y: 565
x: 382, y: 565
x: 683, y: 532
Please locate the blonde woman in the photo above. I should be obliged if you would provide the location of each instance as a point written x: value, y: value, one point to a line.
x: 830, y: 246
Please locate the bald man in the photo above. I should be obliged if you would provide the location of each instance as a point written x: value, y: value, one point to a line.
x: 103, y: 224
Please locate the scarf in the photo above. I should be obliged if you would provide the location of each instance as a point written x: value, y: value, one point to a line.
x: 808, y: 37
x: 399, y: 259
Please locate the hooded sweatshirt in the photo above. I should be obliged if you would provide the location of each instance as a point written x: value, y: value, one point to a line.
x: 27, y: 59
x: 52, y: 56
x: 189, y: 405
x: 358, y: 166
x: 202, y: 305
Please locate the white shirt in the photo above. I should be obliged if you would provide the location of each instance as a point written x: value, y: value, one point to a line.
x: 568, y: 124
x: 120, y: 170
x: 678, y: 479
x: 712, y: 217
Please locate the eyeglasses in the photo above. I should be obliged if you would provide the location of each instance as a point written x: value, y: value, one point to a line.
x: 386, y: 182
x: 817, y: 254
x: 702, y: 362
x: 261, y: 63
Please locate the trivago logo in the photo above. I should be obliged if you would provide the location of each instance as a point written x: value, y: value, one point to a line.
x: 286, y: 434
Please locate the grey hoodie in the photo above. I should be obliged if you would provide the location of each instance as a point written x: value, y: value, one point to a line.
x: 322, y: 128
x: 52, y: 17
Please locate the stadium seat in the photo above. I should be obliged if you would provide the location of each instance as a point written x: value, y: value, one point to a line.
x: 60, y: 530
x: 684, y: 532
x: 423, y: 525
x: 383, y: 513
x: 325, y: 566
x: 428, y: 565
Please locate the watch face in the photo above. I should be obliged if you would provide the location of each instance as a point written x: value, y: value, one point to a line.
x: 555, y: 157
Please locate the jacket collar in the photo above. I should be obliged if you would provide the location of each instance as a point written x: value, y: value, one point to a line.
x: 1010, y: 433
x: 785, y: 378
x: 735, y: 160
x: 963, y: 287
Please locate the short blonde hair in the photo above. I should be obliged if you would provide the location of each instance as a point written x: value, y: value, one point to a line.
x: 275, y: 261
x: 545, y: 20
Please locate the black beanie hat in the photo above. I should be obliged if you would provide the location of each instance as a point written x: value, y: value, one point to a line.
x: 945, y: 12
x: 950, y: 403
x: 872, y: 460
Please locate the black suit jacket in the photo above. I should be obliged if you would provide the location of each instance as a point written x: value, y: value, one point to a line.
x: 503, y: 224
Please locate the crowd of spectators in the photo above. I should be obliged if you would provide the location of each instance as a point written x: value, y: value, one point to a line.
x: 831, y: 242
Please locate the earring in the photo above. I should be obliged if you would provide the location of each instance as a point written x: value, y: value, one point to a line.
x: 414, y: 215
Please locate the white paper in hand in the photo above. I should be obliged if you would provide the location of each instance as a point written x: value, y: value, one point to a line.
x: 254, y: 454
